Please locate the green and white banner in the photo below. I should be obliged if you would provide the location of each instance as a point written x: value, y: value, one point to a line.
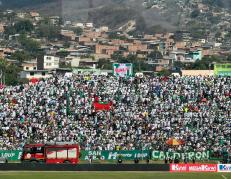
x: 15, y: 155
x: 222, y: 69
x: 132, y: 154
x: 160, y: 155
x: 12, y: 155
x: 114, y: 155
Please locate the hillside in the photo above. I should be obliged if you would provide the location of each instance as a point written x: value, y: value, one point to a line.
x: 167, y: 15
x: 113, y: 13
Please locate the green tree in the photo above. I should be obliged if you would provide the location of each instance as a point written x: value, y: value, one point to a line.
x: 62, y: 54
x: 117, y: 56
x: 20, y: 27
x: 197, y: 29
x: 23, y: 26
x: 105, y: 64
x: 78, y: 31
x: 179, y: 65
x: 66, y: 44
x: 30, y: 45
x: 195, y: 13
x: 205, y: 63
x: 65, y: 65
x: 21, y: 56
x: 10, y: 72
x: 10, y: 30
x: 228, y: 36
x: 155, y: 55
x: 10, y: 16
x: 48, y: 31
x: 229, y: 58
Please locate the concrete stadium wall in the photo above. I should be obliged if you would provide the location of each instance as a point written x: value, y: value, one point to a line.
x: 197, y: 72
x: 84, y: 167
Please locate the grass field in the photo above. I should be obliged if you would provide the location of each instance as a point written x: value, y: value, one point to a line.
x: 111, y: 175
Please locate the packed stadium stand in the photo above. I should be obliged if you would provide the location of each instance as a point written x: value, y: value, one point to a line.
x: 105, y: 113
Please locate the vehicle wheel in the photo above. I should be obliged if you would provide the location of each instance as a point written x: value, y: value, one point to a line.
x: 67, y: 162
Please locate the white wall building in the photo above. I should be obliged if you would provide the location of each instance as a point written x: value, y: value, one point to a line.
x: 80, y: 25
x: 29, y: 65
x: 89, y: 25
x: 50, y: 62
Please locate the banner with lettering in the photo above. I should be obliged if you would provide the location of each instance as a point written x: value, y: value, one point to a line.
x: 15, y: 155
x: 11, y: 155
x: 122, y: 69
x: 132, y: 154
x: 160, y: 155
x: 193, y: 167
x: 114, y: 155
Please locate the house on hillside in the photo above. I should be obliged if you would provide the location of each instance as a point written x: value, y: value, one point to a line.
x: 49, y: 62
x: 35, y: 16
x: 29, y: 65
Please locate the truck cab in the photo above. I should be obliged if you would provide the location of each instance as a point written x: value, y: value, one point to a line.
x: 51, y: 153
x: 33, y: 153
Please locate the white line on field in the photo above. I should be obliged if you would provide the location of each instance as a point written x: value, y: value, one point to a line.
x: 223, y: 176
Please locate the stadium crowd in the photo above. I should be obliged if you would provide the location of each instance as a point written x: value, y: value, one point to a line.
x: 145, y: 113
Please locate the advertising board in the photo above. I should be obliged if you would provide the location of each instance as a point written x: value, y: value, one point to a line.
x: 161, y: 155
x: 123, y: 69
x: 193, y: 168
x: 12, y: 155
x: 222, y: 69
x: 113, y: 155
x: 178, y: 168
x: 224, y: 168
x: 202, y: 167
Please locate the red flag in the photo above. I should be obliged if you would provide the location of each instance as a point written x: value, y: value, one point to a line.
x: 102, y: 106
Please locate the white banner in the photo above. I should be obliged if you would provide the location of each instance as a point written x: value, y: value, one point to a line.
x: 224, y: 168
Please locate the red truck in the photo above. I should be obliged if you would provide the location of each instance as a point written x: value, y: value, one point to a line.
x: 51, y: 153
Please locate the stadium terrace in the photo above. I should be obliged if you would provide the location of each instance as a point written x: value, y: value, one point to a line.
x: 141, y: 114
